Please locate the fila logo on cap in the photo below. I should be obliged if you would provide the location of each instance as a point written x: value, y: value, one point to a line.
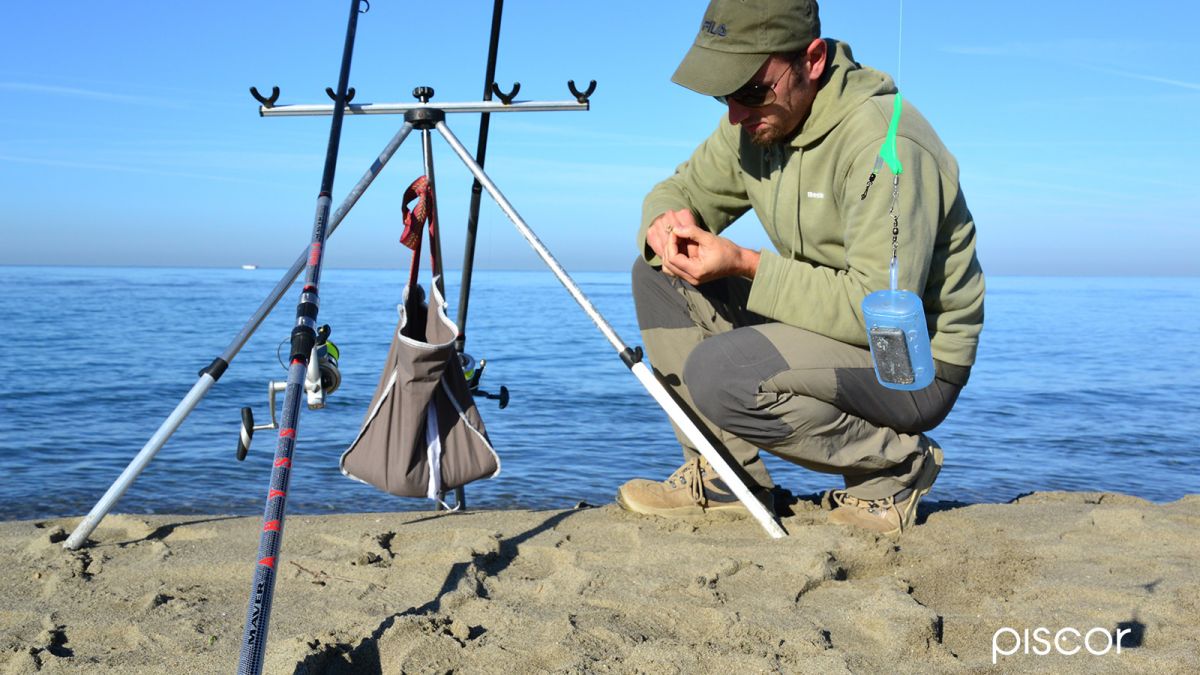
x: 713, y: 28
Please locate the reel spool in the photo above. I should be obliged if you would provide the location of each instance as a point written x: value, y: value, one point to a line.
x: 323, y: 376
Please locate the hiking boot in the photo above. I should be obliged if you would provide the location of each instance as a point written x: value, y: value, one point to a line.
x: 694, y: 489
x: 889, y: 516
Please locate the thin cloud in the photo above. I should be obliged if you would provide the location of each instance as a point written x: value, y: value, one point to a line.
x: 95, y: 166
x: 91, y: 94
x: 996, y: 50
x: 1063, y: 47
x: 1040, y: 50
x: 1145, y: 78
x: 1066, y: 48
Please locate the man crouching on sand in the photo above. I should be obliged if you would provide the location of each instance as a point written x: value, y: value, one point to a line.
x: 769, y: 346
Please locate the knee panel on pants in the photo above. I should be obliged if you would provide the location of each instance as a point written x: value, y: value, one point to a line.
x: 724, y: 374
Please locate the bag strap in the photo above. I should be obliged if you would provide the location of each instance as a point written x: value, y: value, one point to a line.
x: 424, y: 211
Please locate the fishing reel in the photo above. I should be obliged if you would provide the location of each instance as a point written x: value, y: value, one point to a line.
x: 321, y: 379
x: 323, y: 376
x: 473, y: 372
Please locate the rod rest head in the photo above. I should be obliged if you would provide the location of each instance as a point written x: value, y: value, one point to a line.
x: 424, y: 118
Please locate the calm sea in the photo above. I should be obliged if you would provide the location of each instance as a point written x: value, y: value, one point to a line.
x: 1081, y: 384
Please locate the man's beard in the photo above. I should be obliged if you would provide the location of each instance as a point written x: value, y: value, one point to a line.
x: 765, y: 136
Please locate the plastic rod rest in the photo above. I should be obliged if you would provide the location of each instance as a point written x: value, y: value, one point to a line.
x: 582, y: 97
x: 333, y: 95
x: 506, y: 97
x: 267, y: 102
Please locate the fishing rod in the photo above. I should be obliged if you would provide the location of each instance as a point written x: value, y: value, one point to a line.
x: 303, y: 339
x: 464, y: 293
x: 476, y: 187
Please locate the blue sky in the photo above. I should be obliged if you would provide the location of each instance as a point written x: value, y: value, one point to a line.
x: 128, y: 136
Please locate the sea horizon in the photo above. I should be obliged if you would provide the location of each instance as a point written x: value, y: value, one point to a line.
x: 458, y: 270
x: 1059, y: 399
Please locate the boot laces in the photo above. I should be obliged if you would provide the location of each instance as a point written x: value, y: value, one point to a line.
x: 691, y: 476
x: 874, y: 506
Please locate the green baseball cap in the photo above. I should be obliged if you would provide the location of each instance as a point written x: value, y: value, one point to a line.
x: 737, y: 36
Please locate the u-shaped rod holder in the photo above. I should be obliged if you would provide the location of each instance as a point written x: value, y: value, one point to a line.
x: 333, y: 95
x: 266, y: 101
x: 581, y: 97
x: 507, y: 98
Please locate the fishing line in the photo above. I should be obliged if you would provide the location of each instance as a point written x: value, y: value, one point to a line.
x: 279, y: 352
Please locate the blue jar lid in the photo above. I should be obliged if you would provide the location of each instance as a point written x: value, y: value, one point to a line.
x: 893, y: 304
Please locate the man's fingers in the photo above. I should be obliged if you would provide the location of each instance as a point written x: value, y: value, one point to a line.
x: 669, y: 268
x: 685, y: 268
x: 678, y: 240
x: 660, y: 233
x: 679, y: 266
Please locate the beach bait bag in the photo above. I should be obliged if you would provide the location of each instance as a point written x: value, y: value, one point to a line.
x: 422, y: 435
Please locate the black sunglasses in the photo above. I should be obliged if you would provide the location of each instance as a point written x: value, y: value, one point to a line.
x: 755, y: 94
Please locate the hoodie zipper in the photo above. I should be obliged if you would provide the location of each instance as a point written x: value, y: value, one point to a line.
x: 775, y: 153
x: 799, y: 201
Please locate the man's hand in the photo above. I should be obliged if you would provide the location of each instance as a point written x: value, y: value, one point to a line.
x: 695, y: 254
x: 659, y: 234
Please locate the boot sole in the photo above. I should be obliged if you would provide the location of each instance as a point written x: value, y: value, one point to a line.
x: 732, y: 509
x: 650, y: 511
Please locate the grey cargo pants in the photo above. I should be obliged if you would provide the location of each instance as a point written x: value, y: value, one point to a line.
x: 807, y: 398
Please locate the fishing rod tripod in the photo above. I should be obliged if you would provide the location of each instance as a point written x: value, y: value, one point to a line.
x: 211, y: 374
x: 427, y: 117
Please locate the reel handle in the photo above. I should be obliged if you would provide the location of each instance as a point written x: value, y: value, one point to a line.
x: 247, y: 433
x: 248, y: 428
x: 502, y: 396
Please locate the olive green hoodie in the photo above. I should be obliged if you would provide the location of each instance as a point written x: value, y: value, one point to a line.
x: 833, y: 247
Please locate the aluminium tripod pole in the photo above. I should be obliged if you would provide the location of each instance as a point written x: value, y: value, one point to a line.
x: 418, y: 121
x: 631, y: 357
x: 258, y: 612
x: 424, y: 120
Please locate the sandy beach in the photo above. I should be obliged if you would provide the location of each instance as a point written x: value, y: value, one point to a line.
x: 598, y: 590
